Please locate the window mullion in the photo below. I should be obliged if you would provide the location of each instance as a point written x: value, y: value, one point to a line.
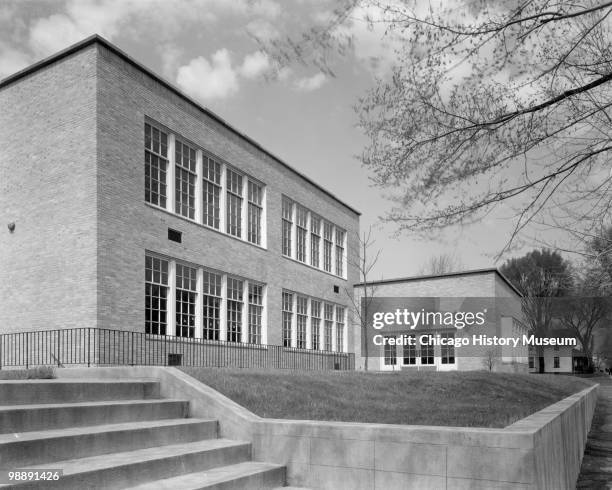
x: 171, y: 298
x: 199, y: 187
x: 199, y: 303
x: 244, y: 329
x: 223, y: 311
x: 244, y: 204
x: 171, y: 174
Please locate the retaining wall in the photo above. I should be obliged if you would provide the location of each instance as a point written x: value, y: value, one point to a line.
x: 542, y: 451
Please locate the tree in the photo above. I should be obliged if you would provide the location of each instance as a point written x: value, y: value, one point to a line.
x: 600, y: 255
x: 541, y: 276
x: 489, y: 103
x: 364, y: 260
x: 441, y: 264
x: 489, y: 361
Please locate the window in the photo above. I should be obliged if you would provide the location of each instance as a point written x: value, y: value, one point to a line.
x: 427, y: 353
x: 390, y: 353
x: 410, y: 351
x: 156, y: 165
x: 255, y: 196
x: 448, y: 351
x: 531, y: 362
x: 315, y: 323
x: 301, y: 232
x: 234, y: 309
x: 255, y: 312
x: 212, y: 306
x: 327, y: 246
x: 556, y: 363
x: 287, y: 318
x: 340, y: 252
x: 211, y: 189
x: 328, y: 326
x: 185, y: 179
x: 234, y: 203
x: 302, y: 319
x: 340, y: 328
x: 156, y: 295
x: 556, y: 348
x: 186, y: 292
x: 315, y: 240
x: 287, y: 215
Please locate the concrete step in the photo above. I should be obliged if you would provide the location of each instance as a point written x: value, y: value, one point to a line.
x: 247, y: 475
x: 25, y: 418
x: 39, y: 447
x: 124, y: 469
x: 25, y: 392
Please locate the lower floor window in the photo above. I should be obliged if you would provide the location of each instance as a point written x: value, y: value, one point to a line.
x: 390, y: 353
x: 448, y: 351
x: 556, y: 362
x: 427, y: 354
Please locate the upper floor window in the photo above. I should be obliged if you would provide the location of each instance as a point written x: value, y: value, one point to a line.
x: 287, y: 223
x: 340, y: 252
x: 315, y: 240
x: 234, y: 203
x: 156, y: 165
x: 301, y: 219
x: 255, y: 197
x: 327, y: 246
x: 185, y: 179
x: 211, y: 189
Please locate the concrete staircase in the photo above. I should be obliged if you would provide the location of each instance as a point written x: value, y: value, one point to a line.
x: 119, y: 434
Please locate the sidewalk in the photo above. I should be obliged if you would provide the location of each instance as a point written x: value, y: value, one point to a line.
x: 596, y: 470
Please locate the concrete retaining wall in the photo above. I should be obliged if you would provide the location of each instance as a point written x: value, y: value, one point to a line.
x: 543, y: 451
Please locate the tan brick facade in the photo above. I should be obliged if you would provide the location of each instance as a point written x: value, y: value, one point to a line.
x: 73, y: 181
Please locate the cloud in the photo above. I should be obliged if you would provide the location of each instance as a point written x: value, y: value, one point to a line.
x: 255, y: 65
x: 12, y: 60
x: 262, y: 29
x: 309, y: 84
x: 209, y: 80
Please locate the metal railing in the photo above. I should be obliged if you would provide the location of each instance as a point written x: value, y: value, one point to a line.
x: 104, y: 347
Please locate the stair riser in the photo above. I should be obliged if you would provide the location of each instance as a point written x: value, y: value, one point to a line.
x: 74, y: 392
x: 22, y: 420
x: 265, y: 480
x: 19, y: 454
x: 133, y: 474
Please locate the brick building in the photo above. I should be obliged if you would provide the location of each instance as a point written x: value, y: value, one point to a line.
x: 468, y: 290
x: 131, y: 207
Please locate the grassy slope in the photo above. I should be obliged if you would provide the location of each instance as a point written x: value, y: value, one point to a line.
x: 460, y: 399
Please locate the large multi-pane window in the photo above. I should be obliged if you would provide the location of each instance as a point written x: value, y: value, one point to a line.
x: 255, y: 197
x: 185, y: 179
x: 234, y: 309
x: 234, y: 203
x: 156, y: 165
x: 171, y: 164
x: 327, y: 246
x: 211, y: 190
x: 410, y: 351
x: 427, y: 353
x: 340, y: 252
x: 255, y: 312
x: 328, y: 326
x: 156, y: 295
x: 287, y: 318
x: 390, y: 353
x: 448, y: 351
x: 301, y: 232
x: 315, y: 240
x: 340, y: 328
x: 287, y: 218
x: 186, y: 293
x: 302, y: 320
x: 315, y: 323
x: 211, y: 306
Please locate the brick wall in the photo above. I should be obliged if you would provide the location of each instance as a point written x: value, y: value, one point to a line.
x: 48, y: 188
x: 128, y: 226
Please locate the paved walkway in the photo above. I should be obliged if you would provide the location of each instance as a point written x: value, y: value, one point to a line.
x: 596, y: 470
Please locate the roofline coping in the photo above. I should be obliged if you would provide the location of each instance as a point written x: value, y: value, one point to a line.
x: 96, y: 38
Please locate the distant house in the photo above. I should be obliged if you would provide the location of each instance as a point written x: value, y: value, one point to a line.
x: 558, y: 358
x: 476, y: 288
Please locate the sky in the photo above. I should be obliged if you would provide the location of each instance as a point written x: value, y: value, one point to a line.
x: 208, y: 49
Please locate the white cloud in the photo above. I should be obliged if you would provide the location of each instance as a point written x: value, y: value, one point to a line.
x: 255, y: 65
x: 262, y: 29
x: 309, y: 84
x: 209, y: 80
x: 12, y: 60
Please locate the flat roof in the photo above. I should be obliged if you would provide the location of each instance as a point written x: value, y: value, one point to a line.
x: 96, y: 38
x: 442, y: 276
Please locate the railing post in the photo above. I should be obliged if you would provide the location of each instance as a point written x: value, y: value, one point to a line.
x: 27, y: 349
x: 88, y: 346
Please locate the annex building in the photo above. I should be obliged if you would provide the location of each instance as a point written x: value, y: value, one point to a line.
x: 471, y: 291
x: 128, y: 206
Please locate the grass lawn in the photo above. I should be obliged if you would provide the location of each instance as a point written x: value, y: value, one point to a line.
x: 43, y: 372
x: 459, y: 399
